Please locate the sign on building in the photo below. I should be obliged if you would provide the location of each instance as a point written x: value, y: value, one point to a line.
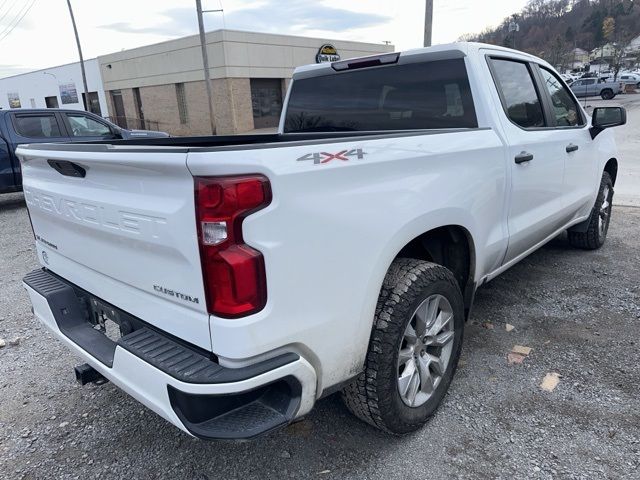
x: 68, y: 93
x: 327, y: 53
x: 14, y: 100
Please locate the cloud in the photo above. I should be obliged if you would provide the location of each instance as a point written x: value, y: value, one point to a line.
x: 277, y: 16
x: 177, y: 22
x: 293, y: 16
x: 11, y: 70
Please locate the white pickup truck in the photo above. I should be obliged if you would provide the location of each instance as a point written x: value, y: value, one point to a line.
x: 228, y: 283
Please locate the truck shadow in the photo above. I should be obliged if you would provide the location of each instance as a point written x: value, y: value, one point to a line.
x: 11, y: 201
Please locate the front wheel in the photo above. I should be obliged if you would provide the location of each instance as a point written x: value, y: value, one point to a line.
x: 414, y: 348
x: 598, y: 226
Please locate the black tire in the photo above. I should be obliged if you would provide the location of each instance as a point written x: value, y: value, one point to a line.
x: 374, y: 396
x: 607, y: 94
x: 594, y: 237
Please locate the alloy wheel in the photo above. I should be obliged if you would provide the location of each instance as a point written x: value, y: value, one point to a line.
x: 425, y: 350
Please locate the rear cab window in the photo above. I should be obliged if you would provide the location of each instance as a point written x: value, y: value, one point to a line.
x: 412, y: 96
x: 37, y: 126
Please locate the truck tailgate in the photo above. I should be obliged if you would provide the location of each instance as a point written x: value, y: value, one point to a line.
x: 120, y: 223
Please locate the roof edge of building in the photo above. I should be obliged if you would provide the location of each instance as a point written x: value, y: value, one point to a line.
x: 221, y: 32
x: 49, y: 68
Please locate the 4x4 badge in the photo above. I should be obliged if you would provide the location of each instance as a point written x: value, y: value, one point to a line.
x: 324, y: 157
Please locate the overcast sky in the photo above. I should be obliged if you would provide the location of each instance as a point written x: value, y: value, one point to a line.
x: 44, y: 37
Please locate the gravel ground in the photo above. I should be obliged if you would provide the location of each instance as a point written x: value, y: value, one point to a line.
x: 578, y: 311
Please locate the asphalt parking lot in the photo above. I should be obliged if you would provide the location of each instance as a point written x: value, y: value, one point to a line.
x: 628, y: 141
x: 578, y: 311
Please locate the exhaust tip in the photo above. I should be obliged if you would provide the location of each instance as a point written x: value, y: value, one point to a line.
x: 85, y: 373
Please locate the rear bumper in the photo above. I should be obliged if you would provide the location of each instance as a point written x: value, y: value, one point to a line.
x: 180, y: 383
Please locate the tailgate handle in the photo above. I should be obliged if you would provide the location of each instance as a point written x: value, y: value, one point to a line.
x: 68, y: 169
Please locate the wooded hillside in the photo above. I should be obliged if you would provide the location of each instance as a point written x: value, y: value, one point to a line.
x: 553, y: 28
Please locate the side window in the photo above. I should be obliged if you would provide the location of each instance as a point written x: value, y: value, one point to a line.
x: 83, y: 126
x: 37, y: 126
x: 565, y: 109
x: 519, y: 96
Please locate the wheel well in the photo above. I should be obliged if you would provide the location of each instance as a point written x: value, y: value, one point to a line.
x: 452, y: 247
x: 612, y: 169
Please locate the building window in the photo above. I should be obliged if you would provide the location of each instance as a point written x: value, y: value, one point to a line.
x: 51, y: 102
x: 118, y: 116
x: 138, y: 101
x: 92, y: 102
x: 266, y: 100
x: 182, y: 103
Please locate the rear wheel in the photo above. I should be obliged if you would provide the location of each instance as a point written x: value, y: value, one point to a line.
x: 598, y: 226
x: 607, y: 94
x: 414, y: 348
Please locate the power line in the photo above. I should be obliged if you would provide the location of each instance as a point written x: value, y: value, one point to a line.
x: 4, y: 35
x: 11, y: 23
x: 9, y: 9
x: 4, y: 3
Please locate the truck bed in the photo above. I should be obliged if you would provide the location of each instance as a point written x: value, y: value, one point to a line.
x: 243, y: 141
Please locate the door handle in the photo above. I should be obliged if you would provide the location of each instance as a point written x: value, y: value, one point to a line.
x: 572, y: 148
x: 524, y: 157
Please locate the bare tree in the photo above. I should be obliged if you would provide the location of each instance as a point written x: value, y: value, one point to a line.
x: 620, y: 38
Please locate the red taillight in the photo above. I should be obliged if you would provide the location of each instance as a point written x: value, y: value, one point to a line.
x: 233, y: 272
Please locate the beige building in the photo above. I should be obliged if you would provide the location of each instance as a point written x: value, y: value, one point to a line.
x: 162, y: 86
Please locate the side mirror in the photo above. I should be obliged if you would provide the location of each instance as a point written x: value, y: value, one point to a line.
x: 607, y: 117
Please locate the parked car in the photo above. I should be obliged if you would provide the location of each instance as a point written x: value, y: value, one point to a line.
x: 630, y: 79
x: 20, y: 126
x: 567, y: 78
x: 228, y: 283
x: 592, y: 87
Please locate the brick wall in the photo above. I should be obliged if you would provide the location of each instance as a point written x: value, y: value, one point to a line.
x: 160, y: 104
x: 198, y: 108
x: 231, y: 107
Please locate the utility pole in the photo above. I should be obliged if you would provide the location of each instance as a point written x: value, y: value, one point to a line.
x: 428, y: 22
x: 513, y: 28
x: 85, y: 98
x: 205, y: 63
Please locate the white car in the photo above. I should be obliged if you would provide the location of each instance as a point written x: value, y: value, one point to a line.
x: 567, y: 78
x: 629, y: 79
x: 228, y: 283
